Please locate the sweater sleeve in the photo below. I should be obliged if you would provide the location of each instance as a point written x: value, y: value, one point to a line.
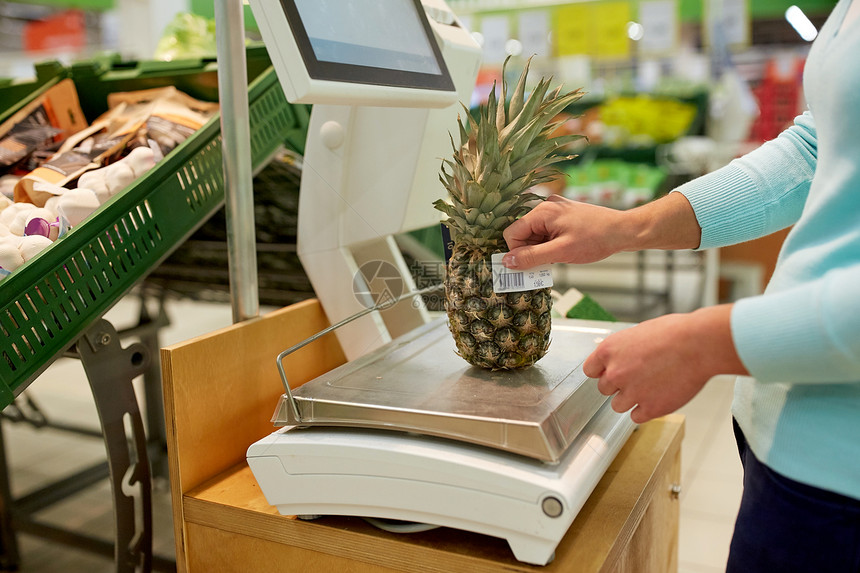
x: 808, y: 334
x: 759, y: 193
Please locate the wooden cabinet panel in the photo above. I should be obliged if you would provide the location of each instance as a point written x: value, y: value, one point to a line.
x: 220, y: 390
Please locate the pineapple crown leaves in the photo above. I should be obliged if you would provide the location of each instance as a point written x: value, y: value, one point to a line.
x: 504, y: 151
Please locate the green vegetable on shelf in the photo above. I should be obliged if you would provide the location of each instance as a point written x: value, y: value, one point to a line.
x: 187, y: 36
x: 613, y: 183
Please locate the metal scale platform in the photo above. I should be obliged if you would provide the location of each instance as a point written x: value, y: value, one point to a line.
x: 412, y: 432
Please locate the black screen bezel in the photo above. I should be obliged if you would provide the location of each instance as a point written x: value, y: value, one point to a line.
x: 367, y: 75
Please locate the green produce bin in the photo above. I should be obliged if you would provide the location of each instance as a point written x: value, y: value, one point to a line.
x: 48, y: 303
x: 14, y: 94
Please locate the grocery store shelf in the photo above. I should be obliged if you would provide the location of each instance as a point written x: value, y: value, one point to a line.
x: 55, y: 303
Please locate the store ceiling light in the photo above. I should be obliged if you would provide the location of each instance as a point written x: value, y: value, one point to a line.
x: 513, y: 47
x: 635, y: 31
x: 801, y: 24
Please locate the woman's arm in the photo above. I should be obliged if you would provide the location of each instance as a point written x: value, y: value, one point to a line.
x: 753, y: 196
x: 758, y: 194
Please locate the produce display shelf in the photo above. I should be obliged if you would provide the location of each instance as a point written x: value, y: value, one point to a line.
x: 48, y: 303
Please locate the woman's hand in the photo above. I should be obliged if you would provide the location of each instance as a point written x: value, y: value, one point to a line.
x: 661, y: 364
x: 559, y: 230
x: 563, y: 231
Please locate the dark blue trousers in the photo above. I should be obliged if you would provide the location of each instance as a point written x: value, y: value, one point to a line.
x: 784, y: 526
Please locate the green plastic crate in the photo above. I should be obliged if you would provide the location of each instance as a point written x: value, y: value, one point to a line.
x: 14, y: 94
x: 196, y: 77
x: 49, y: 302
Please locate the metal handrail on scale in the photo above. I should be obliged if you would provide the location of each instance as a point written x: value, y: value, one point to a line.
x: 378, y: 306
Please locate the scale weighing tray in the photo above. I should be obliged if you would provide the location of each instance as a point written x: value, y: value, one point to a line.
x: 417, y: 383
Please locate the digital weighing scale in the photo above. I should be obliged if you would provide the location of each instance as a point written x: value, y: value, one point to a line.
x: 407, y: 430
x: 412, y: 432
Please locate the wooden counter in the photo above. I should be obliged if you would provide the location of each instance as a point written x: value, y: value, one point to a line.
x: 220, y: 391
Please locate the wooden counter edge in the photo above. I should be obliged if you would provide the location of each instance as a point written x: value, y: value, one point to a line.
x: 670, y: 455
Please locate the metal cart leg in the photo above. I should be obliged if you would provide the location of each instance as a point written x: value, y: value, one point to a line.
x: 9, y: 557
x: 147, y: 330
x: 110, y: 370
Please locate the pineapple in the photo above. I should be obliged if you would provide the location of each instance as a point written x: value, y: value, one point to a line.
x: 505, y: 152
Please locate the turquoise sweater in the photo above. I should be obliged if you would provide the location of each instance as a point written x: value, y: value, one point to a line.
x: 800, y: 340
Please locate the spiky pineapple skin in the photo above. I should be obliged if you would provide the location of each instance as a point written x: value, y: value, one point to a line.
x: 491, y: 330
x: 508, y: 149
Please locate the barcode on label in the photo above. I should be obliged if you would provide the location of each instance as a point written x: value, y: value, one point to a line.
x: 510, y: 280
x: 507, y: 280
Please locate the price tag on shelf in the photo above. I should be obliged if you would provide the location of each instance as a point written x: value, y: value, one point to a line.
x: 609, y: 20
x: 572, y: 25
x: 534, y: 32
x: 511, y: 280
x: 659, y: 19
x: 496, y: 32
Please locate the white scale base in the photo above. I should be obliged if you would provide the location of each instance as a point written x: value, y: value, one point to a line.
x: 418, y: 478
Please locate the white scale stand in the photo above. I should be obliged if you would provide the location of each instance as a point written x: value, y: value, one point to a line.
x: 412, y: 432
x: 407, y: 430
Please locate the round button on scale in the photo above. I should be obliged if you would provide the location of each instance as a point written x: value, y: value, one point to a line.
x: 552, y: 507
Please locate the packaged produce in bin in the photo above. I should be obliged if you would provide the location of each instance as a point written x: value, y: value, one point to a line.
x: 52, y: 299
x: 158, y: 119
x: 92, y: 165
x: 46, y: 121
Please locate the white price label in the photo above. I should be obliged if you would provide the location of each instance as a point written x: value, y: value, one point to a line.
x: 511, y: 280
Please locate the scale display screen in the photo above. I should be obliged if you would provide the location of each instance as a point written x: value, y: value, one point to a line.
x: 379, y: 42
